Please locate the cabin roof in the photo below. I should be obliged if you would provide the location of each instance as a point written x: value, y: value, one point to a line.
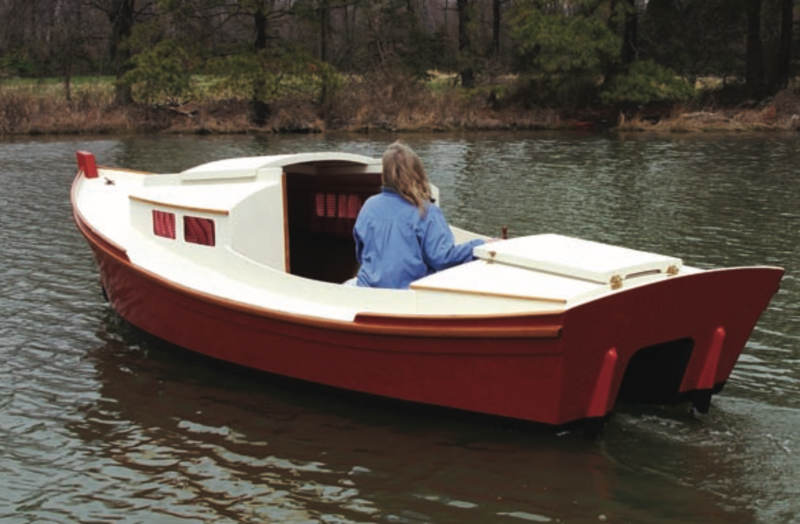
x: 250, y: 166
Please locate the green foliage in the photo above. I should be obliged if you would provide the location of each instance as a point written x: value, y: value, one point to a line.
x: 694, y: 37
x: 16, y: 64
x: 564, y: 55
x: 647, y: 82
x: 161, y: 73
x: 270, y: 74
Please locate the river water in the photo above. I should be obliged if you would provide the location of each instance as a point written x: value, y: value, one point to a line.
x: 97, y: 426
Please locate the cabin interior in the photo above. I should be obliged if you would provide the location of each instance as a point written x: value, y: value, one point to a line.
x: 321, y: 211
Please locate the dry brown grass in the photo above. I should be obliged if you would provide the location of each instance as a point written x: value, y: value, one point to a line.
x: 363, y: 104
x: 396, y: 103
x: 89, y: 111
x: 740, y: 120
x: 781, y: 113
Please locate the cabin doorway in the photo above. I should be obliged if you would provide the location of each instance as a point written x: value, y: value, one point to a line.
x: 321, y: 210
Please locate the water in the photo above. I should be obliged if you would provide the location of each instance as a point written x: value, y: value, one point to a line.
x: 98, y: 426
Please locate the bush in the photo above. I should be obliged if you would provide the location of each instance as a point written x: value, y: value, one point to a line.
x: 562, y: 58
x: 161, y: 74
x: 646, y: 82
x: 16, y: 65
x: 272, y: 74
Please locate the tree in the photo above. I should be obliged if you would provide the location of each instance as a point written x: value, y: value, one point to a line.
x: 630, y: 33
x: 645, y: 82
x: 122, y: 14
x: 465, y: 60
x: 694, y: 37
x: 566, y: 55
x: 394, y: 41
x: 754, y: 59
x: 261, y: 109
x: 161, y: 72
x: 69, y: 39
x: 783, y: 67
x: 496, y: 15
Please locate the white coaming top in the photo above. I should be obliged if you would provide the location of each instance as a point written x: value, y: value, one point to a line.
x: 251, y: 166
x: 242, y: 176
x: 576, y: 258
x: 492, y: 279
x: 551, y: 268
x: 218, y: 198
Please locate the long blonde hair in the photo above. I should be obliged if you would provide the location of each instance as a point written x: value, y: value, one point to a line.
x: 404, y: 173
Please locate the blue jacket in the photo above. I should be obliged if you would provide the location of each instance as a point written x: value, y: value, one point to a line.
x: 396, y: 246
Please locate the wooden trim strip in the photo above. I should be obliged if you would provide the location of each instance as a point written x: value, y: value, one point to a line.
x: 124, y: 170
x: 489, y: 294
x: 525, y: 325
x: 287, y: 261
x: 223, y: 212
x: 549, y: 331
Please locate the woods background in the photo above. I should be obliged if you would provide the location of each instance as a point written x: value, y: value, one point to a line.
x: 232, y: 65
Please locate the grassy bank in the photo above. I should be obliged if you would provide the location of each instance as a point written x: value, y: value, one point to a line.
x: 363, y: 105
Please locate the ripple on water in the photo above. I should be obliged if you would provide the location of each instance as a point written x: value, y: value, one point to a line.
x: 98, y: 426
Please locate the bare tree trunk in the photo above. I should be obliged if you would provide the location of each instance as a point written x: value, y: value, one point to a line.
x: 68, y: 83
x: 65, y: 46
x: 630, y: 37
x: 324, y: 27
x: 754, y: 72
x: 261, y: 109
x: 121, y: 17
x: 783, y: 73
x: 464, y: 49
x: 496, y: 27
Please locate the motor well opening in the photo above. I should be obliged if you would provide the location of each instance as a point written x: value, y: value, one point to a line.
x: 654, y: 374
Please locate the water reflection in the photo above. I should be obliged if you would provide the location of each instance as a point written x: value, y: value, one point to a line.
x: 176, y: 438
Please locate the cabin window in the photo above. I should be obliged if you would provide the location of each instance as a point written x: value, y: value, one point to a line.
x: 164, y: 224
x: 330, y: 205
x: 198, y: 230
x: 349, y: 206
x: 337, y: 205
x: 336, y: 213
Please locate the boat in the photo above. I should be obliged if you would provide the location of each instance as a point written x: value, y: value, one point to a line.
x: 243, y: 260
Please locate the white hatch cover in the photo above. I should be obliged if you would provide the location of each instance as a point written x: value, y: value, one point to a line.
x: 573, y: 257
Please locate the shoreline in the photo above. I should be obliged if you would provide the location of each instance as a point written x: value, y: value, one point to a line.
x: 30, y: 116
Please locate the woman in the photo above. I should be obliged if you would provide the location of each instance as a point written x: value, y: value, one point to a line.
x: 401, y: 236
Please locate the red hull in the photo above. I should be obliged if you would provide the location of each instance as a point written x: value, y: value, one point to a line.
x: 551, y: 368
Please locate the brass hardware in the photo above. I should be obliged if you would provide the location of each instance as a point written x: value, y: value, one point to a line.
x: 616, y: 282
x: 672, y: 270
x: 492, y: 254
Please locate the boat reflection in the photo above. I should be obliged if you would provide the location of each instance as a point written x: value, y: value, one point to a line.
x: 178, y: 438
